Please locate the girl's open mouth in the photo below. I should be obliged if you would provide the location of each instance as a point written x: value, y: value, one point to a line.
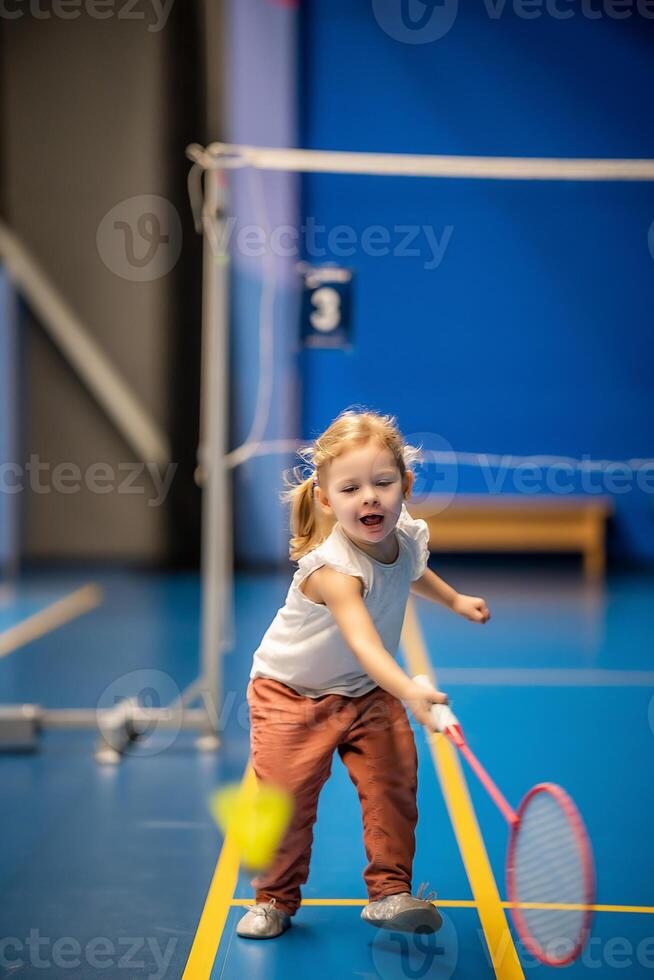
x: 372, y: 520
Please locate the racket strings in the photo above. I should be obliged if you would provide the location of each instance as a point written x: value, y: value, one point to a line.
x: 549, y: 870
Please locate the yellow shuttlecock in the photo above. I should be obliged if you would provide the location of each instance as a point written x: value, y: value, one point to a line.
x: 256, y: 815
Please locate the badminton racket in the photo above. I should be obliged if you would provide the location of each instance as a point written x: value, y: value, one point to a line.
x: 550, y: 878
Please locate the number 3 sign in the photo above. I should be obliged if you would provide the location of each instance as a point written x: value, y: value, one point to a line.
x: 326, y: 306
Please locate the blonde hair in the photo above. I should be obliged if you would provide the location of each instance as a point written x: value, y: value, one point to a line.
x: 353, y: 427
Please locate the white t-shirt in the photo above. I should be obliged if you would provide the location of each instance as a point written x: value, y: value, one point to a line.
x: 304, y: 648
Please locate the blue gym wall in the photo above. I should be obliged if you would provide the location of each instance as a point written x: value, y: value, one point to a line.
x: 534, y: 333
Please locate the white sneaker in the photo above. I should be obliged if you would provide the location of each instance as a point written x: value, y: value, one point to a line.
x: 404, y: 913
x: 263, y: 921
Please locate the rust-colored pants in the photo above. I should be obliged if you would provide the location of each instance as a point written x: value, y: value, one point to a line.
x: 292, y: 740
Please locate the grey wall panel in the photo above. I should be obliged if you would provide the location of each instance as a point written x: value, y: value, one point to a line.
x: 86, y: 125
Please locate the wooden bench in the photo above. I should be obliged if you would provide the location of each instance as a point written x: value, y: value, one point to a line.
x: 514, y: 522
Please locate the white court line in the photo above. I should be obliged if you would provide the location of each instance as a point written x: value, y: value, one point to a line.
x: 544, y: 677
x: 46, y: 620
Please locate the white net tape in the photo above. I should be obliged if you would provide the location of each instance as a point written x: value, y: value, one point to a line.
x: 229, y: 156
x: 508, y: 461
x: 226, y: 156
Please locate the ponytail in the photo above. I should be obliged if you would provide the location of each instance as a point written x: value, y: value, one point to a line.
x: 309, y: 526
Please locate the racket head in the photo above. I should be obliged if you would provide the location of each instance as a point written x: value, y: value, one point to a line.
x: 549, y: 832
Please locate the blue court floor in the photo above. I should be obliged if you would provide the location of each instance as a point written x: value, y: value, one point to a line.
x: 104, y: 871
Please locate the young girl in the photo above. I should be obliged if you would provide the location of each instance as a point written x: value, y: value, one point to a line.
x: 325, y: 678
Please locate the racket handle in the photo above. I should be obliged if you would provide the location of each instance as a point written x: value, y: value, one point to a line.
x: 442, y: 715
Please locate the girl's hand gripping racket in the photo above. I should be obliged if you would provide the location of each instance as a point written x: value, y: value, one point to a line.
x: 549, y: 865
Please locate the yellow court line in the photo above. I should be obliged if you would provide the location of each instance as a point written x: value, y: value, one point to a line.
x: 445, y: 903
x: 499, y: 941
x: 220, y: 897
x: 634, y: 909
x: 218, y: 902
x: 466, y: 903
x: 46, y: 620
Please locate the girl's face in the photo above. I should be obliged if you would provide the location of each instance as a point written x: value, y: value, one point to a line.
x: 365, y: 482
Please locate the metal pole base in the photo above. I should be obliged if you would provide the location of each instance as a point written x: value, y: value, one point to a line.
x: 119, y: 727
x: 106, y: 756
x: 207, y: 743
x: 19, y: 727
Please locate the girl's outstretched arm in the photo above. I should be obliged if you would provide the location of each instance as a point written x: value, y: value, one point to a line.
x: 431, y: 587
x: 341, y: 593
